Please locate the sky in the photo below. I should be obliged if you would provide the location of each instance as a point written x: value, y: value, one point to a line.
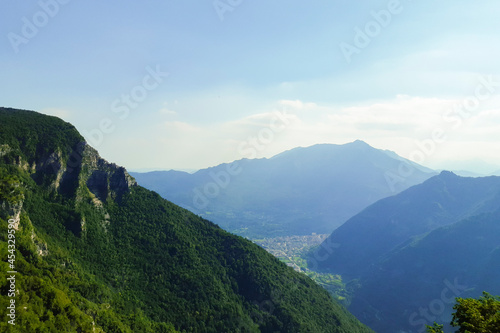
x: 158, y: 85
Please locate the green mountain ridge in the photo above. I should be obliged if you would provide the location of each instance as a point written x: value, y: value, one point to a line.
x: 95, y: 252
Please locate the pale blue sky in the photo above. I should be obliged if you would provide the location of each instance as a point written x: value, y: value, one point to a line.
x: 228, y: 78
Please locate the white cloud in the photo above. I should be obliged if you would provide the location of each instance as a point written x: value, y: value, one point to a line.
x: 402, y: 124
x: 167, y: 112
x: 178, y: 127
x: 297, y: 104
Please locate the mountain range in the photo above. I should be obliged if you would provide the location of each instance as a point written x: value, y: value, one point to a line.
x: 90, y: 250
x: 86, y: 249
x: 411, y: 254
x: 298, y: 192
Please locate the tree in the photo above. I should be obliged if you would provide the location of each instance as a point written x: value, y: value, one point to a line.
x: 474, y: 315
x: 477, y: 315
x: 436, y: 328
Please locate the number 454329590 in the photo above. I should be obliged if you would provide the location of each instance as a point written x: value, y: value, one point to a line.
x: 12, y: 243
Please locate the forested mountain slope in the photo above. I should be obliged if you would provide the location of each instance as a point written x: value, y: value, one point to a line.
x: 95, y: 252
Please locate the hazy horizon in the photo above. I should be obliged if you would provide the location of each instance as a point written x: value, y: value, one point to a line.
x: 464, y: 166
x: 184, y: 85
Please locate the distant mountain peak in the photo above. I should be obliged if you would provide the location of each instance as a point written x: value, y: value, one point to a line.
x: 358, y: 145
x: 326, y: 148
x: 359, y: 142
x: 297, y: 192
x: 448, y: 173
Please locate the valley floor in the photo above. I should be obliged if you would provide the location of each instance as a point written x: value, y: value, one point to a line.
x: 293, y: 250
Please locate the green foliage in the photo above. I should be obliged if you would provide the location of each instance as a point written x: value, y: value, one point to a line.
x: 31, y: 135
x: 477, y: 315
x: 333, y: 284
x: 139, y: 264
x: 436, y: 328
x: 44, y: 299
x: 10, y: 186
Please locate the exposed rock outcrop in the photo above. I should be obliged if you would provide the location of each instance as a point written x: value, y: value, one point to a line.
x: 11, y: 211
x: 103, y: 179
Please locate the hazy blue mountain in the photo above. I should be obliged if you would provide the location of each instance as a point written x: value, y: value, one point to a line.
x: 413, y: 252
x: 370, y: 235
x: 297, y: 192
x: 417, y: 283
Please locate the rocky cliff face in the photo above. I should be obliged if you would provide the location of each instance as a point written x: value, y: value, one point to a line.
x: 11, y: 210
x: 77, y: 174
x: 82, y: 173
x: 83, y: 167
x: 103, y: 179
